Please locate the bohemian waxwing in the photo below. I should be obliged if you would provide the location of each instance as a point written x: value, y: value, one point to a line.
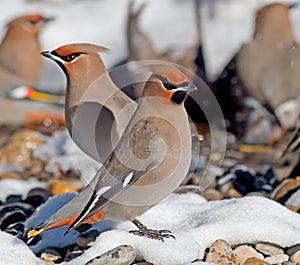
x: 148, y: 163
x: 20, y: 60
x: 89, y: 110
x: 141, y: 48
x: 269, y: 65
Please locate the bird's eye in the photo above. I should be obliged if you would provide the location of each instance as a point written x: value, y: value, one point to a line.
x: 71, y: 57
x: 169, y: 86
x: 33, y: 22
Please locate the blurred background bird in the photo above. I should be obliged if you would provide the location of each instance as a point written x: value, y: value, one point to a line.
x: 269, y: 64
x: 23, y: 69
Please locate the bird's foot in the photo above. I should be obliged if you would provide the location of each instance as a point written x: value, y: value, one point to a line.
x: 150, y: 233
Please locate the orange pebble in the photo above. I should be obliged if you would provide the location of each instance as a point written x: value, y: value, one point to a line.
x: 59, y: 187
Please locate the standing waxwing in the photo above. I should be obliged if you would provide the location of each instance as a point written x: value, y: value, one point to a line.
x: 269, y: 65
x: 88, y: 100
x: 148, y: 163
x: 20, y: 59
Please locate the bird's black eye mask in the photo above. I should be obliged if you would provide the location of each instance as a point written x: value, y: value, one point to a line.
x: 168, y: 85
x: 68, y: 58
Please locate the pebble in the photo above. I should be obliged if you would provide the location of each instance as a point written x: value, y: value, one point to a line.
x: 221, y: 254
x: 277, y: 259
x: 41, y: 192
x: 289, y: 263
x: 269, y: 249
x: 13, y: 198
x: 143, y: 263
x: 212, y: 194
x: 87, y: 239
x: 293, y: 249
x: 50, y: 255
x: 244, y: 252
x: 59, y: 187
x: 121, y: 255
x: 11, y: 175
x: 233, y: 193
x: 16, y: 229
x: 24, y: 207
x: 18, y: 150
x: 285, y: 190
x: 35, y: 200
x: 72, y: 253
x: 256, y: 261
x: 295, y: 257
x: 11, y: 218
x: 36, y: 168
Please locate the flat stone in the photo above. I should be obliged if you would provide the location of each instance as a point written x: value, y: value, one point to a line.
x: 11, y: 175
x: 289, y: 263
x: 244, y: 252
x: 11, y: 218
x: 255, y: 261
x: 59, y: 187
x: 6, y: 208
x: 87, y: 239
x: 50, y: 255
x: 16, y: 229
x: 212, y: 194
x: 293, y: 249
x: 277, y: 259
x: 73, y: 253
x: 13, y: 198
x: 142, y: 263
x: 269, y: 249
x: 35, y: 200
x: 295, y: 257
x: 233, y: 193
x: 221, y: 254
x: 122, y: 255
x: 18, y: 151
x: 40, y: 191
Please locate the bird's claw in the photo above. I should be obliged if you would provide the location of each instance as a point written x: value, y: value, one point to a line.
x: 153, y: 234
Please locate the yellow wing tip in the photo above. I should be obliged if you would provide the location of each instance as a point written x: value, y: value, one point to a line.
x: 33, y: 232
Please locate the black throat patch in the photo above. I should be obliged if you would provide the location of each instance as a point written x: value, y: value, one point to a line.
x: 178, y: 96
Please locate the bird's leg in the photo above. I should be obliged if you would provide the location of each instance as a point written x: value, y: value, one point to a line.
x: 146, y: 232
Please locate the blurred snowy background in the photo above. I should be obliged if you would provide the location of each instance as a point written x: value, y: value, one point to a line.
x: 170, y: 24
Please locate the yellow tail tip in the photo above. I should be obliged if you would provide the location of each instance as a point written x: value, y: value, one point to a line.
x: 33, y: 232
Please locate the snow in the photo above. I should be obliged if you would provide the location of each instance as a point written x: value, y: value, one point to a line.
x: 195, y: 223
x: 20, y: 187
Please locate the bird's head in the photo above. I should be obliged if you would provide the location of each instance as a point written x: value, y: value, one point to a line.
x: 272, y: 21
x: 29, y: 23
x: 170, y: 83
x: 77, y: 57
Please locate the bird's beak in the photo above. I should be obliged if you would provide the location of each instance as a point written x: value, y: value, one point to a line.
x: 47, y: 54
x: 48, y: 19
x: 50, y: 55
x: 293, y: 5
x: 188, y: 87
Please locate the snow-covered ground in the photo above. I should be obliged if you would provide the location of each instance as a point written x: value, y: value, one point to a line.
x: 195, y: 223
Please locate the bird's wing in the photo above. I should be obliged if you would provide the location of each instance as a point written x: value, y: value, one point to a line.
x: 106, y: 189
x: 118, y: 173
